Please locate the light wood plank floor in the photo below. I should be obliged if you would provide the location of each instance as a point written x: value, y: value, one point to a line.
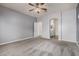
x: 39, y: 47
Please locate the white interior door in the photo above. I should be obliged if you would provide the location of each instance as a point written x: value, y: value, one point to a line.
x: 37, y: 29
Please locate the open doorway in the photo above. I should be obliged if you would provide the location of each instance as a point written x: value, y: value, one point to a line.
x: 53, y: 28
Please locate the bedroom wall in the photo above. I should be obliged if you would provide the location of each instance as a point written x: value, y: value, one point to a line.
x: 45, y: 19
x: 69, y: 25
x: 15, y: 25
x: 66, y: 18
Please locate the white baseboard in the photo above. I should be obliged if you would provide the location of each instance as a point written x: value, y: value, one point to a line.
x: 16, y: 40
x: 68, y: 41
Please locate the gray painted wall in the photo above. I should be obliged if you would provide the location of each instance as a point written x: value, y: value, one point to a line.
x: 69, y: 25
x: 77, y: 21
x: 45, y: 19
x: 66, y: 24
x: 15, y: 25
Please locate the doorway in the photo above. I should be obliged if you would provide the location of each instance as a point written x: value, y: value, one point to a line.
x: 37, y: 29
x: 53, y: 28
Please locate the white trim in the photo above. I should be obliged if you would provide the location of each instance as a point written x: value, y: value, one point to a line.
x: 77, y: 44
x: 16, y: 40
x: 68, y: 41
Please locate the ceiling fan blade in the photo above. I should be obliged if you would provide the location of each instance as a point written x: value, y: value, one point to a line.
x: 38, y: 12
x: 31, y: 9
x: 37, y: 4
x: 31, y: 4
x: 44, y: 9
x: 42, y: 3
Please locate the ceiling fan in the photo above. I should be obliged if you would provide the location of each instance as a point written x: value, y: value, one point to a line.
x: 38, y: 7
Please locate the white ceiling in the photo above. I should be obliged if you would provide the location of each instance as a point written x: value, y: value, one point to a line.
x: 23, y: 7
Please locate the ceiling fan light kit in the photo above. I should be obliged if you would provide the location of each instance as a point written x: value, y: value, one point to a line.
x: 38, y: 7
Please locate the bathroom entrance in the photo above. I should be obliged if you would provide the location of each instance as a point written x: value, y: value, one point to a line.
x: 53, y: 28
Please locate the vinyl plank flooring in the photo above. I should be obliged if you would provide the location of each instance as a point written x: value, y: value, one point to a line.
x: 39, y: 47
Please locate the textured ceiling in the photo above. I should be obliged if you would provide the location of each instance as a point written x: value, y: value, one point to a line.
x: 24, y: 7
